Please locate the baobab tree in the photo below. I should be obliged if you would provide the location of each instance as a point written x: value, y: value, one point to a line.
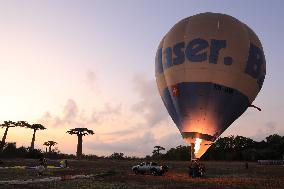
x: 49, y: 144
x: 22, y: 123
x: 157, y: 149
x: 6, y: 124
x: 80, y: 132
x: 35, y: 127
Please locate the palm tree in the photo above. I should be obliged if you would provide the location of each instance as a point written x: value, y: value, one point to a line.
x: 6, y: 124
x: 35, y: 127
x: 158, y: 149
x: 50, y: 143
x: 80, y: 132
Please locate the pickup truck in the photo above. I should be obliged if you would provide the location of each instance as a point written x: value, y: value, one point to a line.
x: 150, y: 167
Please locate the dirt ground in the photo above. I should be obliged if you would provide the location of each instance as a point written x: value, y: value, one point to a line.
x: 117, y: 174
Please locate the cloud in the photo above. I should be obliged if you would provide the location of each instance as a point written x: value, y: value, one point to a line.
x: 269, y: 128
x: 171, y: 140
x: 108, y: 113
x: 122, y: 132
x: 137, y: 145
x: 149, y: 105
x: 72, y: 116
x: 133, y: 130
x: 70, y: 111
x: 91, y: 80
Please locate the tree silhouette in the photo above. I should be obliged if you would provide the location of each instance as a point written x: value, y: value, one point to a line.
x: 80, y: 132
x: 157, y: 149
x: 116, y: 155
x: 6, y: 124
x: 35, y: 127
x: 178, y: 153
x: 49, y: 144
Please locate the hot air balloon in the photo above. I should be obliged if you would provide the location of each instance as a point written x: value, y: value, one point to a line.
x: 209, y: 68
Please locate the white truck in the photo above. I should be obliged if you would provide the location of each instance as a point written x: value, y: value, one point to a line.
x: 150, y: 167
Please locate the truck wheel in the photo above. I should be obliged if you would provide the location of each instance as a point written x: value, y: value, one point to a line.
x: 135, y: 171
x: 154, y: 172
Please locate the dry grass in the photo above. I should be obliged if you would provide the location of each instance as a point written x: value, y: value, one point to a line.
x: 220, y: 175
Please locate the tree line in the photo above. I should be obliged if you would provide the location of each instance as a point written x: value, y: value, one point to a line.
x: 7, y: 150
x: 231, y: 148
x: 24, y: 124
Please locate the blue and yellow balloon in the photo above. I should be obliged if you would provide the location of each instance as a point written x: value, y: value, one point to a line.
x: 209, y: 69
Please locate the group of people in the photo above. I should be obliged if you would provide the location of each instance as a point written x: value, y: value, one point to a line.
x: 196, y: 169
x: 63, y: 163
x: 43, y: 165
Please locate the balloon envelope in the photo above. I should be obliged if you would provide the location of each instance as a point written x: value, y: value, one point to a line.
x: 209, y: 68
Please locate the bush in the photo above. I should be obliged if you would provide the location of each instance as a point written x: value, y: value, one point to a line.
x: 116, y: 155
x: 35, y: 154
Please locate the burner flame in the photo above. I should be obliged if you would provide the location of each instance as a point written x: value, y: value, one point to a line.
x: 197, y: 145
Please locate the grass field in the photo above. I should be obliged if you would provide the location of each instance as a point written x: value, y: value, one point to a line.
x: 219, y: 175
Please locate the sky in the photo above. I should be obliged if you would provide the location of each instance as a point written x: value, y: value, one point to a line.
x: 68, y: 64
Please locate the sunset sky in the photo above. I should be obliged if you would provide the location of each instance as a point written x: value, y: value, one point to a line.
x: 69, y: 64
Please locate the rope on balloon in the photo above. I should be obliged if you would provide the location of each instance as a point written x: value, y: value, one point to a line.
x: 253, y: 106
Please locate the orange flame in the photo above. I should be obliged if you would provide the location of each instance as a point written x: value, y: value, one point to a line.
x: 197, y: 145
